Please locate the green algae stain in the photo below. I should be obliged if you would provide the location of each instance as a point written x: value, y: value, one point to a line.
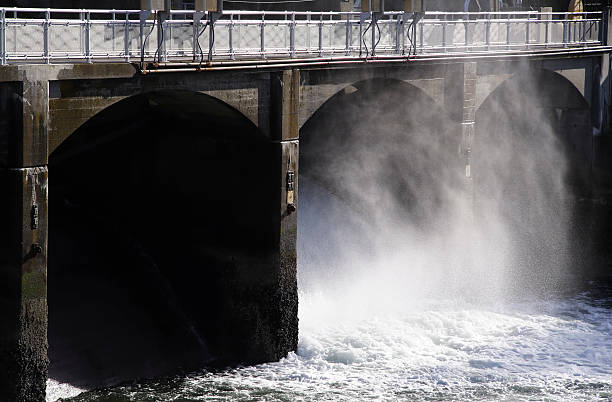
x: 33, y: 285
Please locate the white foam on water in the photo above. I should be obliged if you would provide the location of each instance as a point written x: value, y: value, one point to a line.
x: 57, y: 390
x: 557, y: 350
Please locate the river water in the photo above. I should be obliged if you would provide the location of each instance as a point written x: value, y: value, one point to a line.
x: 558, y: 349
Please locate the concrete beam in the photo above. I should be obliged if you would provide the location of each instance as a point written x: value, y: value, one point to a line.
x: 24, y: 108
x: 23, y: 284
x: 284, y: 105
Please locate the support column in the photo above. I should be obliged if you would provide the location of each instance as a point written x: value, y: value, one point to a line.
x: 23, y: 240
x: 469, y: 115
x: 285, y: 95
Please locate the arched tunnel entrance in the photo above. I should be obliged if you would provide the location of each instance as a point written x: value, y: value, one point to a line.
x: 380, y: 171
x: 532, y: 158
x: 163, y: 228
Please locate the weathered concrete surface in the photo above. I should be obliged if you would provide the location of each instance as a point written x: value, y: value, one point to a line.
x: 23, y: 277
x: 287, y: 278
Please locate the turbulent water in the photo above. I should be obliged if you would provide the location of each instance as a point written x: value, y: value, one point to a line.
x: 558, y: 349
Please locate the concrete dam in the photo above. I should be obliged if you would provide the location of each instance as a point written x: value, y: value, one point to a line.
x: 152, y: 189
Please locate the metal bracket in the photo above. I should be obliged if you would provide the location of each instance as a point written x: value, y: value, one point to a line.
x: 34, y: 217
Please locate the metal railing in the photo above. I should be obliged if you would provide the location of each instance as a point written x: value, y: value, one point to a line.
x: 59, y: 35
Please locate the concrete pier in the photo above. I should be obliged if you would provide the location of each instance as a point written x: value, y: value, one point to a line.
x: 23, y: 240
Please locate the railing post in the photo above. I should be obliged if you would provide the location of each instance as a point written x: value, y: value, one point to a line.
x: 421, y: 23
x: 292, y: 35
x: 46, y: 36
x: 547, y: 16
x: 308, y: 32
x: 403, y: 33
x: 488, y: 32
x: 467, y: 31
x: 361, y: 20
x: 374, y: 19
x: 527, y: 31
x: 603, y: 27
x: 239, y: 43
x: 565, y: 36
x: 3, y: 36
x: 212, y: 18
x: 397, y: 33
x: 113, y: 30
x: 320, y: 35
x: 126, y: 38
x: 231, y: 37
x: 262, y: 38
x: 88, y: 38
x: 162, y: 16
x: 347, y: 47
x: 508, y: 32
x: 444, y: 33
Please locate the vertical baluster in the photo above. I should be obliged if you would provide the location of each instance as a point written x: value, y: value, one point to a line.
x: 508, y: 32
x: 46, y: 36
x: 565, y: 36
x: 308, y: 32
x: 320, y: 34
x: 88, y: 37
x: 292, y: 35
x: 466, y: 17
x: 126, y: 37
x: 422, y: 35
x: 231, y: 37
x: 211, y: 36
x: 331, y: 32
x: 166, y: 29
x: 238, y: 46
x: 444, y: 33
x: 263, y: 44
x: 347, y: 39
x: 360, y: 39
x: 113, y: 17
x: 547, y: 30
x: 527, y: 24
x: 488, y: 31
x: 3, y: 36
x: 398, y: 23
x: 403, y: 33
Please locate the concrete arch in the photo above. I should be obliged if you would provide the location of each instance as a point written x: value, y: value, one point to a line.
x: 535, y: 95
x: 384, y: 149
x: 561, y: 91
x: 165, y: 204
x: 318, y: 90
x: 326, y: 93
x: 200, y: 105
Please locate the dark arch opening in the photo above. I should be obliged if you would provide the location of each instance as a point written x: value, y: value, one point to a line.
x: 379, y: 155
x: 160, y: 206
x: 532, y: 157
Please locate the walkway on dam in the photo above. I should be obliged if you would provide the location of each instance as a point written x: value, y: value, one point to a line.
x: 29, y: 35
